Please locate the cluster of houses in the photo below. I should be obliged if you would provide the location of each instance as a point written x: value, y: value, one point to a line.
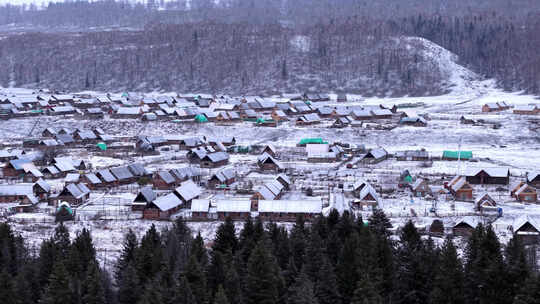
x: 525, y: 109
x: 461, y: 188
x: 301, y: 109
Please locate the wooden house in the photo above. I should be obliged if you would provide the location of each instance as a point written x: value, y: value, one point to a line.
x: 460, y: 189
x: 288, y: 210
x: 237, y: 209
x: 268, y: 163
x: 223, y: 177
x: 162, y: 207
x: 74, y: 194
x: 214, y: 160
x: 200, y: 209
x: 187, y: 191
x: 527, y: 109
x: 420, y: 188
x: 164, y: 180
x: 526, y: 229
x: 480, y: 176
x: 533, y: 179
x: 485, y: 202
x: 436, y: 228
x: 465, y: 226
x: 524, y: 193
x: 41, y: 189
x: 373, y: 156
x: 271, y: 150
x: 145, y: 197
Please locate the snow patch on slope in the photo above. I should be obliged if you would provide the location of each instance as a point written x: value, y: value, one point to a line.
x: 460, y: 80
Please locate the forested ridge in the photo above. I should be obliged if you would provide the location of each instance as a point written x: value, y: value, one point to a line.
x: 335, y: 259
x: 263, y: 47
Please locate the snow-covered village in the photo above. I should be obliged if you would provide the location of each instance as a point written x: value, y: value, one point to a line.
x: 269, y: 152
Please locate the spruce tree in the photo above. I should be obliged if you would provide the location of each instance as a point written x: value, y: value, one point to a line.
x: 7, y: 289
x: 127, y: 256
x: 61, y: 241
x: 410, y: 279
x: 366, y: 293
x: 448, y: 281
x: 326, y: 287
x: 517, y: 267
x: 226, y: 237
x: 346, y: 269
x: 232, y: 285
x: 149, y: 259
x: 379, y: 223
x: 313, y: 256
x: 93, y: 291
x: 197, y: 280
x: 86, y: 253
x: 301, y: 292
x: 129, y: 286
x: 216, y: 271
x: 58, y: 291
x: 298, y: 241
x: 261, y: 281
x: 151, y: 294
x: 183, y: 294
x: 199, y: 250
x: 221, y: 297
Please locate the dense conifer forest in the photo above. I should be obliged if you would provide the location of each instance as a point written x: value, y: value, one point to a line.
x: 264, y: 47
x: 334, y: 259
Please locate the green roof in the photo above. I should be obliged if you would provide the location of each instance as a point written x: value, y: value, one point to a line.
x: 102, y: 146
x: 318, y: 140
x: 407, y: 179
x: 457, y: 154
x: 201, y: 118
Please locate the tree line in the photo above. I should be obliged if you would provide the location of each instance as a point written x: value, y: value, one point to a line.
x: 333, y: 260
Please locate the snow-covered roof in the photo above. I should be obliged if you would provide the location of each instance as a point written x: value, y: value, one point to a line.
x: 92, y: 178
x: 19, y: 189
x: 188, y: 190
x: 290, y: 206
x: 236, y: 205
x: 368, y: 190
x: 265, y: 192
x: 106, y: 176
x: 147, y: 194
x: 532, y: 175
x: 524, y: 188
x: 522, y: 220
x: 200, y: 205
x: 44, y: 185
x: 121, y: 173
x: 378, y: 153
x: 166, y: 177
x: 469, y: 220
x: 167, y: 202
x: 493, y: 172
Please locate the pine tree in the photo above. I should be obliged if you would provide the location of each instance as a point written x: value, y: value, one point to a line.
x: 127, y: 256
x: 197, y: 280
x: 301, y: 292
x: 27, y: 285
x: 129, y: 287
x: 93, y: 291
x: 448, y: 282
x: 313, y: 256
x: 226, y: 237
x: 58, y: 290
x: 221, y: 297
x: 7, y: 290
x: 261, y: 282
